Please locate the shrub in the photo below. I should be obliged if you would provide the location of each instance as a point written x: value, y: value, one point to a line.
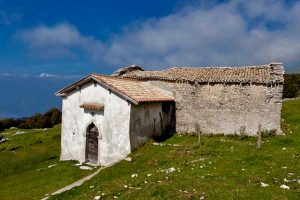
x: 1, y: 127
x: 51, y: 118
x: 38, y: 120
x: 291, y: 85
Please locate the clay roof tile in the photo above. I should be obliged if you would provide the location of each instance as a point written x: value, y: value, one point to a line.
x: 261, y: 74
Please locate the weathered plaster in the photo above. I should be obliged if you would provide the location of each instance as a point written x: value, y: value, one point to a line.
x: 225, y: 108
x: 112, y: 123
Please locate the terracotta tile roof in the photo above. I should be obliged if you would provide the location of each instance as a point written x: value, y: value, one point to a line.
x: 133, y: 90
x: 92, y: 106
x: 263, y: 74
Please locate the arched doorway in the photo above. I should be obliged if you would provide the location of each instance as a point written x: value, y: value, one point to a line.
x: 92, y: 134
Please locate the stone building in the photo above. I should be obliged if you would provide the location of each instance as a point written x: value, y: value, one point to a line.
x: 104, y: 118
x: 222, y: 99
x: 132, y: 105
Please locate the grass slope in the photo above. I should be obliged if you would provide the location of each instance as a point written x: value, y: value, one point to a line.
x: 24, y: 162
x: 223, y: 168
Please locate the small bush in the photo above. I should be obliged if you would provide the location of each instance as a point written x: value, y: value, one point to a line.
x: 38, y: 120
x: 291, y: 85
x: 1, y: 127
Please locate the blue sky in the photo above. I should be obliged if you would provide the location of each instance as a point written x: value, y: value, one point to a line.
x: 100, y: 20
x: 79, y: 37
x: 54, y: 42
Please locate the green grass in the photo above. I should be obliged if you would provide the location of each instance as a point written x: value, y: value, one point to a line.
x: 232, y: 167
x: 24, y: 162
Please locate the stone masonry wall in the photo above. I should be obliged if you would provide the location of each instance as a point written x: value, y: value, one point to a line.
x: 225, y: 108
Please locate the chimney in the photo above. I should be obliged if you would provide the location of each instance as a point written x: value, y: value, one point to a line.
x: 128, y: 69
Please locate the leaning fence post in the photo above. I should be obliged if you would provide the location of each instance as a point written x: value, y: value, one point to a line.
x: 258, y: 143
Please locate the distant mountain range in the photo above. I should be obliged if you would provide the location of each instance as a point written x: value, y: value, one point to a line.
x: 23, y: 96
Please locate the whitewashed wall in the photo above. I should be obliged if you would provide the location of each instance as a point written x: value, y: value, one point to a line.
x: 112, y: 123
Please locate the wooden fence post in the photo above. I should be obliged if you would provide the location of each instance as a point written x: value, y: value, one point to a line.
x: 258, y: 143
x: 198, y: 131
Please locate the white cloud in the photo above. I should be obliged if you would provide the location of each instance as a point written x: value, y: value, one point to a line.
x: 232, y: 33
x: 45, y: 75
x: 7, y: 74
x: 42, y: 75
x: 268, y: 9
x: 58, y: 76
x: 60, y: 41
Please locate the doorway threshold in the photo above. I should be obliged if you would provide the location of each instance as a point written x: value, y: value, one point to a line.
x: 91, y: 164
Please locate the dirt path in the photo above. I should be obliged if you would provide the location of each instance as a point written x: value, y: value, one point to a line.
x: 75, y: 184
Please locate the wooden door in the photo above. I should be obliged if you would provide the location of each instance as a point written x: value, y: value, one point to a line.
x: 92, y: 144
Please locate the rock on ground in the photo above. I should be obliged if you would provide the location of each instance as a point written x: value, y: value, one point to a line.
x: 85, y: 168
x: 263, y: 184
x: 50, y: 166
x: 128, y: 159
x: 284, y: 187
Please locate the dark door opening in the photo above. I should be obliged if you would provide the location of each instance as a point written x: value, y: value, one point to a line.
x: 92, y: 144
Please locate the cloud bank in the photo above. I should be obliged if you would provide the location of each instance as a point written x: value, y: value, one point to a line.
x: 60, y: 41
x: 231, y: 33
x: 58, y: 76
x: 42, y: 75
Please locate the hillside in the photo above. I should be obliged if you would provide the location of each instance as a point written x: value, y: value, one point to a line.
x: 221, y: 168
x: 29, y: 164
